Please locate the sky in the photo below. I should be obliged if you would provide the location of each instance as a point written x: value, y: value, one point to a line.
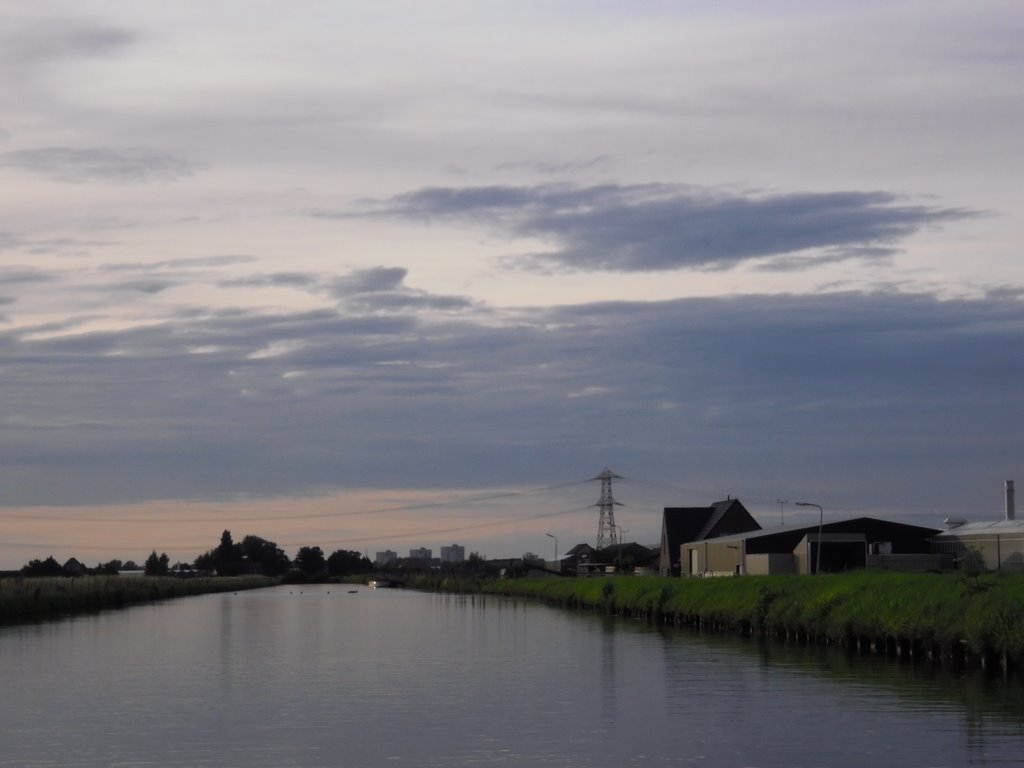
x: 396, y: 274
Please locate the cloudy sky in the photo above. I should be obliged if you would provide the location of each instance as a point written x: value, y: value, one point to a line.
x: 390, y: 274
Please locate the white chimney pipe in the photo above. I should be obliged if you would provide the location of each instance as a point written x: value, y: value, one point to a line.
x: 1010, y: 512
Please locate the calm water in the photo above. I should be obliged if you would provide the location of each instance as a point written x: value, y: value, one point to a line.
x: 326, y: 678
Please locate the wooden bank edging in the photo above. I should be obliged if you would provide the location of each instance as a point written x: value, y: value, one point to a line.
x: 940, y: 619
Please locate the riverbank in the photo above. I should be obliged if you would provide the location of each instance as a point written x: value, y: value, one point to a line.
x: 39, y: 599
x: 945, y: 618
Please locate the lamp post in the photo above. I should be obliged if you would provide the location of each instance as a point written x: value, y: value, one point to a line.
x: 821, y: 520
x: 782, y: 510
x: 552, y: 536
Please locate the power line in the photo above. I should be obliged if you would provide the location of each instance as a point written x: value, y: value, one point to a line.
x: 448, y: 502
x: 355, y: 540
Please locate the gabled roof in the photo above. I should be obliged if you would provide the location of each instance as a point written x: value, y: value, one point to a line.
x: 580, y: 549
x: 683, y: 524
x: 718, y: 510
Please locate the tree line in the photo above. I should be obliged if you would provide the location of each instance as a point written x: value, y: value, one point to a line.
x: 253, y: 555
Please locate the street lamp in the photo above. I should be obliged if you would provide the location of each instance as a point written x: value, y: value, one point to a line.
x: 552, y: 536
x: 821, y: 519
x: 782, y: 510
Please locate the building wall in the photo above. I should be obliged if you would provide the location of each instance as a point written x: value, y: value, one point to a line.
x: 770, y: 564
x: 386, y: 557
x: 911, y: 562
x: 986, y: 552
x: 453, y: 554
x: 711, y: 558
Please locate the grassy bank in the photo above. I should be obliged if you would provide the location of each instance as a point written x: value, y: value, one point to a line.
x: 940, y: 616
x: 32, y: 599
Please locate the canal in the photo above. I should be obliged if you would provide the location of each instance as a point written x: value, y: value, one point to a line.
x: 317, y: 676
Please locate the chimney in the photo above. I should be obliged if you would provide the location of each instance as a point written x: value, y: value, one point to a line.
x: 1010, y: 512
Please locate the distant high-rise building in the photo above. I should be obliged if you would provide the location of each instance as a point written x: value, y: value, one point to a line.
x: 387, y: 557
x: 456, y: 553
x: 421, y: 553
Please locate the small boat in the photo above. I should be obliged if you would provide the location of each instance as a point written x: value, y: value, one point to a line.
x: 352, y: 591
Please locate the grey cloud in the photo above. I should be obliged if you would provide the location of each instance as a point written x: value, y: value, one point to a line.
x: 66, y: 246
x: 1006, y: 292
x: 16, y: 275
x: 55, y: 39
x: 553, y: 167
x: 369, y: 281
x: 74, y: 165
x: 145, y: 286
x: 829, y: 256
x: 382, y: 289
x: 391, y: 302
x: 864, y: 398
x: 273, y: 280
x: 172, y: 264
x: 661, y: 227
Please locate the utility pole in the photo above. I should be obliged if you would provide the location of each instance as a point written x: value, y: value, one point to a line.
x: 782, y: 512
x: 607, y: 503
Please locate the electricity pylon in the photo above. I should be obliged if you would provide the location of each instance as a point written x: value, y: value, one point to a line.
x: 606, y: 523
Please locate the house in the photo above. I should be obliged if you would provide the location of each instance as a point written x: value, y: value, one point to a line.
x: 837, y: 546
x: 579, y: 556
x: 680, y: 525
x: 626, y: 558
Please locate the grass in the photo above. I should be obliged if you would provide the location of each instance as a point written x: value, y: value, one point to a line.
x: 38, y: 599
x: 940, y: 614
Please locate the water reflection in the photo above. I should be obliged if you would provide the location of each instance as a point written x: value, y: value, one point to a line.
x: 319, y: 677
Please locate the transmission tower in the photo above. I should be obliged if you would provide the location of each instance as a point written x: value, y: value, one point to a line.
x: 606, y: 523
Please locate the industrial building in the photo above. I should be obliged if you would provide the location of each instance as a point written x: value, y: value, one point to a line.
x: 985, y: 546
x: 680, y: 525
x: 829, y: 547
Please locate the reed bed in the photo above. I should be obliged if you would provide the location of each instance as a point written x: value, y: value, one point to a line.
x: 38, y: 599
x: 939, y: 616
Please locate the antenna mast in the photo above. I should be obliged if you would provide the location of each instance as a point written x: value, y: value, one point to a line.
x: 607, y: 503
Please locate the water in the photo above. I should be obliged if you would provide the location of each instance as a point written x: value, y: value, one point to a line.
x: 322, y: 677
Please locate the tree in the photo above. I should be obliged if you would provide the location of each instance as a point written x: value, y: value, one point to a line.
x: 157, y: 565
x: 205, y: 562
x: 227, y: 556
x: 47, y: 567
x: 110, y: 568
x: 269, y: 558
x: 343, y: 562
x: 310, y: 560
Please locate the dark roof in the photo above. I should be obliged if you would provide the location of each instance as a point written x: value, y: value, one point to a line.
x: 905, y: 537
x: 683, y: 524
x: 580, y: 549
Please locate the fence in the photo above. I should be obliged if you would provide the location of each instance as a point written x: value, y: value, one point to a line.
x: 984, y: 552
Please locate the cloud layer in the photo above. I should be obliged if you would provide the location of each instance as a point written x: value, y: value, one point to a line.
x: 96, y: 164
x: 657, y: 227
x: 758, y: 392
